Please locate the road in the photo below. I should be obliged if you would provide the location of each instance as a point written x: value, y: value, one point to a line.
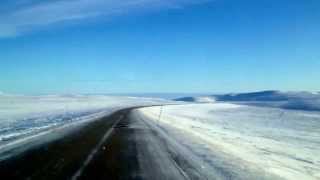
x: 120, y: 146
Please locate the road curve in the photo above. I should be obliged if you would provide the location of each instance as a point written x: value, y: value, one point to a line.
x: 119, y: 146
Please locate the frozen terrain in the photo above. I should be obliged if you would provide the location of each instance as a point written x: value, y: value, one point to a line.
x: 284, y: 143
x: 287, y: 100
x: 24, y: 116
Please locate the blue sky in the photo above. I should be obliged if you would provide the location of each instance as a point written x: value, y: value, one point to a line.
x: 138, y: 46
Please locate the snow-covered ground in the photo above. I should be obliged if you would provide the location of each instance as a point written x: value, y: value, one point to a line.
x: 23, y: 116
x: 285, y: 143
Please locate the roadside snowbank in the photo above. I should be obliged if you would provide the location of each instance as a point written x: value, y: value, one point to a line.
x: 282, y: 142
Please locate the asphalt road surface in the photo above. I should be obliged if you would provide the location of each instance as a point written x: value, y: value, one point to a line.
x: 120, y: 146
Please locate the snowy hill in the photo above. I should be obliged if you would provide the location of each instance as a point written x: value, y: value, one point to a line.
x: 267, y: 96
x: 286, y: 100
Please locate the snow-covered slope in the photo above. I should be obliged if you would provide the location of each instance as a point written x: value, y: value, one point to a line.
x: 234, y: 138
x: 267, y: 96
x: 286, y: 100
x: 22, y: 116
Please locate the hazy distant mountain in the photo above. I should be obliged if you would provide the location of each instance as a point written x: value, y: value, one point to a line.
x: 287, y: 100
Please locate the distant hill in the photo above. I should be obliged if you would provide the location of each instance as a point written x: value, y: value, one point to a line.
x: 254, y: 96
x: 286, y: 100
x: 198, y: 99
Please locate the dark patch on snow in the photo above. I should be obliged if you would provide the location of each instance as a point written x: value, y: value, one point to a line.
x: 186, y: 99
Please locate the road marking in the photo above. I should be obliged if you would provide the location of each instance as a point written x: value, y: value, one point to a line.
x: 95, y: 150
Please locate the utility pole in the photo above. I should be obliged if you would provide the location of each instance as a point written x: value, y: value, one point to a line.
x: 160, y: 113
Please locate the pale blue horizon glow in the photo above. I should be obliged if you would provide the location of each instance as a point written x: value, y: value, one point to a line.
x: 159, y: 46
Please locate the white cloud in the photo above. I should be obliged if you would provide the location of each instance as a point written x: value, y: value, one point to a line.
x: 40, y: 13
